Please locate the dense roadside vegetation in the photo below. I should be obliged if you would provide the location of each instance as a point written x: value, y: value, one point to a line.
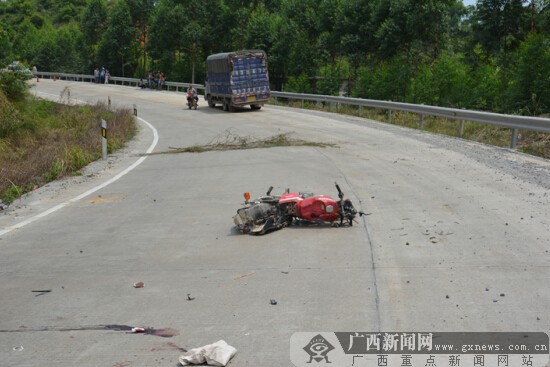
x: 41, y: 141
x: 492, y: 56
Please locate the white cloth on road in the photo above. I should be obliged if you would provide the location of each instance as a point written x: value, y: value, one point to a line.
x: 216, y: 354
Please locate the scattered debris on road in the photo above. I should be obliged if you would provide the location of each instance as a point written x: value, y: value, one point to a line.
x: 244, y: 275
x: 138, y: 285
x: 273, y: 302
x: 189, y: 298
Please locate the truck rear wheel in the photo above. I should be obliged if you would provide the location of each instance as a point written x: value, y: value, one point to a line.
x: 225, y: 105
x: 255, y: 107
x: 210, y: 102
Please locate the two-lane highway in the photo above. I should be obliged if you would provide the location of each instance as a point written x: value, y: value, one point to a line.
x: 457, y: 239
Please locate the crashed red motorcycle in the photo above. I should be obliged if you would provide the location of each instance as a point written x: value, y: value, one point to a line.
x: 272, y: 212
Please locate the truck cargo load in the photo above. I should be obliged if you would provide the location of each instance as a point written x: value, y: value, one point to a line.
x: 237, y: 78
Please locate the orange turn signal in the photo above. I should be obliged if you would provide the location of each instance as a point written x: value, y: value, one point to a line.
x: 247, y: 196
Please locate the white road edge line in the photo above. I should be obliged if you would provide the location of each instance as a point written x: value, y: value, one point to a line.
x: 89, y: 192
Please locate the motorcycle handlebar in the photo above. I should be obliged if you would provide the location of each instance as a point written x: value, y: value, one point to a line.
x: 340, y: 193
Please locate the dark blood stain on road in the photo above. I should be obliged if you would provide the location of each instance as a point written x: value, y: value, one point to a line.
x: 163, y: 333
x: 168, y: 345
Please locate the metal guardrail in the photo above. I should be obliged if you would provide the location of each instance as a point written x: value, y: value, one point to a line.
x: 513, y: 122
x: 117, y: 80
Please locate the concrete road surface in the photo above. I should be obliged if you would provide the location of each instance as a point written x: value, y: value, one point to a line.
x: 457, y: 239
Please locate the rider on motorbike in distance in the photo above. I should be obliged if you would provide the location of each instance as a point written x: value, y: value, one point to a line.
x: 192, y: 93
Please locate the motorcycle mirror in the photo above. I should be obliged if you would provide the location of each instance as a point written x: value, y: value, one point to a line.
x: 246, y: 196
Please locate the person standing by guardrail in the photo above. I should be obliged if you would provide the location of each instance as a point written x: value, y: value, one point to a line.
x: 150, y: 80
x: 162, y: 80
x: 96, y: 75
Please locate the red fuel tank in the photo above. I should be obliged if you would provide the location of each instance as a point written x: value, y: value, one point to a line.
x: 290, y: 197
x: 319, y: 207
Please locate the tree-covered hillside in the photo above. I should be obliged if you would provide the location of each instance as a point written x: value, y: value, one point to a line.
x: 492, y: 56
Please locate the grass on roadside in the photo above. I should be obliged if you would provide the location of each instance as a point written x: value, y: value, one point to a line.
x: 529, y: 142
x: 41, y: 141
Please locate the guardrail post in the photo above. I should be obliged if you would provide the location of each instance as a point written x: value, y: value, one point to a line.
x: 103, y: 139
x: 422, y: 121
x: 461, y: 128
x: 389, y: 115
x: 135, y: 112
x: 514, y: 142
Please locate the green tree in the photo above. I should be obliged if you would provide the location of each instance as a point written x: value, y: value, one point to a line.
x: 69, y: 42
x: 283, y: 37
x: 332, y: 76
x: 182, y: 34
x: 354, y: 31
x: 541, y: 16
x: 258, y: 33
x: 387, y: 80
x: 66, y: 13
x: 118, y: 44
x: 530, y: 80
x: 14, y: 87
x: 486, y: 86
x: 444, y: 82
x: 5, y: 46
x: 166, y: 26
x: 140, y: 11
x: 24, y: 40
x: 499, y: 25
x: 48, y: 56
x: 60, y: 49
x: 409, y: 25
x: 94, y: 21
x: 93, y: 24
x: 298, y: 84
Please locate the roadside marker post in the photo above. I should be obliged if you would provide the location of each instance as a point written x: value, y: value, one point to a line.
x: 103, y: 139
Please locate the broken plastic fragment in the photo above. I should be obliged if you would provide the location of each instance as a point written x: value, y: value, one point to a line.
x: 137, y: 330
x: 138, y: 285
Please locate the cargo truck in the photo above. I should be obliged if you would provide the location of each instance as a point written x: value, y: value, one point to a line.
x: 237, y: 78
